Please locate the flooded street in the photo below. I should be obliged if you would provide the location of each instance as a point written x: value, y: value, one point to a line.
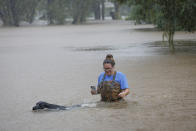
x: 58, y: 64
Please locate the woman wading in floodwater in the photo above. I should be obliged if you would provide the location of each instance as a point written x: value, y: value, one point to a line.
x: 112, y: 85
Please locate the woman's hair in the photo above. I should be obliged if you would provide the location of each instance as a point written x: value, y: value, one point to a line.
x: 109, y: 60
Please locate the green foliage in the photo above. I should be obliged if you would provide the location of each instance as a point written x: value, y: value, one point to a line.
x: 14, y: 11
x: 168, y: 15
x: 187, y: 15
x: 80, y: 10
x: 30, y: 10
x: 137, y: 13
x: 57, y: 11
x: 95, y: 8
x: 141, y: 11
x: 157, y: 16
x: 116, y: 14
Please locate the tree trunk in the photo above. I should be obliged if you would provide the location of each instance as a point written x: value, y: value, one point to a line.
x: 9, y: 13
x: 15, y: 13
x: 103, y: 9
x: 6, y: 14
x: 77, y: 7
x: 31, y: 17
x: 31, y: 11
x: 49, y: 13
x: 117, y: 12
x: 97, y: 10
x: 171, y: 41
x: 80, y: 10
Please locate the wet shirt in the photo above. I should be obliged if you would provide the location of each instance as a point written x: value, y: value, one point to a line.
x: 120, y: 78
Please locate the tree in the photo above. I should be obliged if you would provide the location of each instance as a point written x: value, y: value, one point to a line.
x: 57, y: 11
x: 30, y: 10
x: 168, y: 15
x: 98, y: 7
x: 14, y: 11
x: 80, y: 10
x: 10, y: 12
x: 103, y: 9
x: 116, y: 14
x: 176, y: 15
x: 141, y: 10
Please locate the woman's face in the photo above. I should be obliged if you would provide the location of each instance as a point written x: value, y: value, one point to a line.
x: 108, y: 69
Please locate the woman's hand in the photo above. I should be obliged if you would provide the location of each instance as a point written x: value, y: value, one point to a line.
x: 124, y: 93
x: 93, y: 92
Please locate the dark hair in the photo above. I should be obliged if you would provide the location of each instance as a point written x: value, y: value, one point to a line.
x: 109, y: 60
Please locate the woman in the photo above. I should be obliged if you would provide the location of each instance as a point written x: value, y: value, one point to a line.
x: 112, y: 85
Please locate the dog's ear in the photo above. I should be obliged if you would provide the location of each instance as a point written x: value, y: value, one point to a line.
x: 39, y: 102
x: 39, y: 105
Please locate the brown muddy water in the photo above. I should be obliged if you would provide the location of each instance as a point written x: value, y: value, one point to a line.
x: 58, y: 64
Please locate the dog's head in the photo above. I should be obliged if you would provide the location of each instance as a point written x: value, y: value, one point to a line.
x: 39, y: 105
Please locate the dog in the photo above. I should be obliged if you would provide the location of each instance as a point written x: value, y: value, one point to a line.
x: 44, y: 105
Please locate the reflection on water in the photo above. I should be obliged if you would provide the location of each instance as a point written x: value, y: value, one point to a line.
x: 145, y: 49
x: 98, y: 48
x: 113, y: 105
x: 177, y: 43
x: 181, y: 46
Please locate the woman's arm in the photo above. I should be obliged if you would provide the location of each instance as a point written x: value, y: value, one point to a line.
x: 124, y: 93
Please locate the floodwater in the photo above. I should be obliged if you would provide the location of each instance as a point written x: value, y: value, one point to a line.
x: 58, y: 64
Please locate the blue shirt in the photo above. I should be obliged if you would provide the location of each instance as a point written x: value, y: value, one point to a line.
x: 120, y: 78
